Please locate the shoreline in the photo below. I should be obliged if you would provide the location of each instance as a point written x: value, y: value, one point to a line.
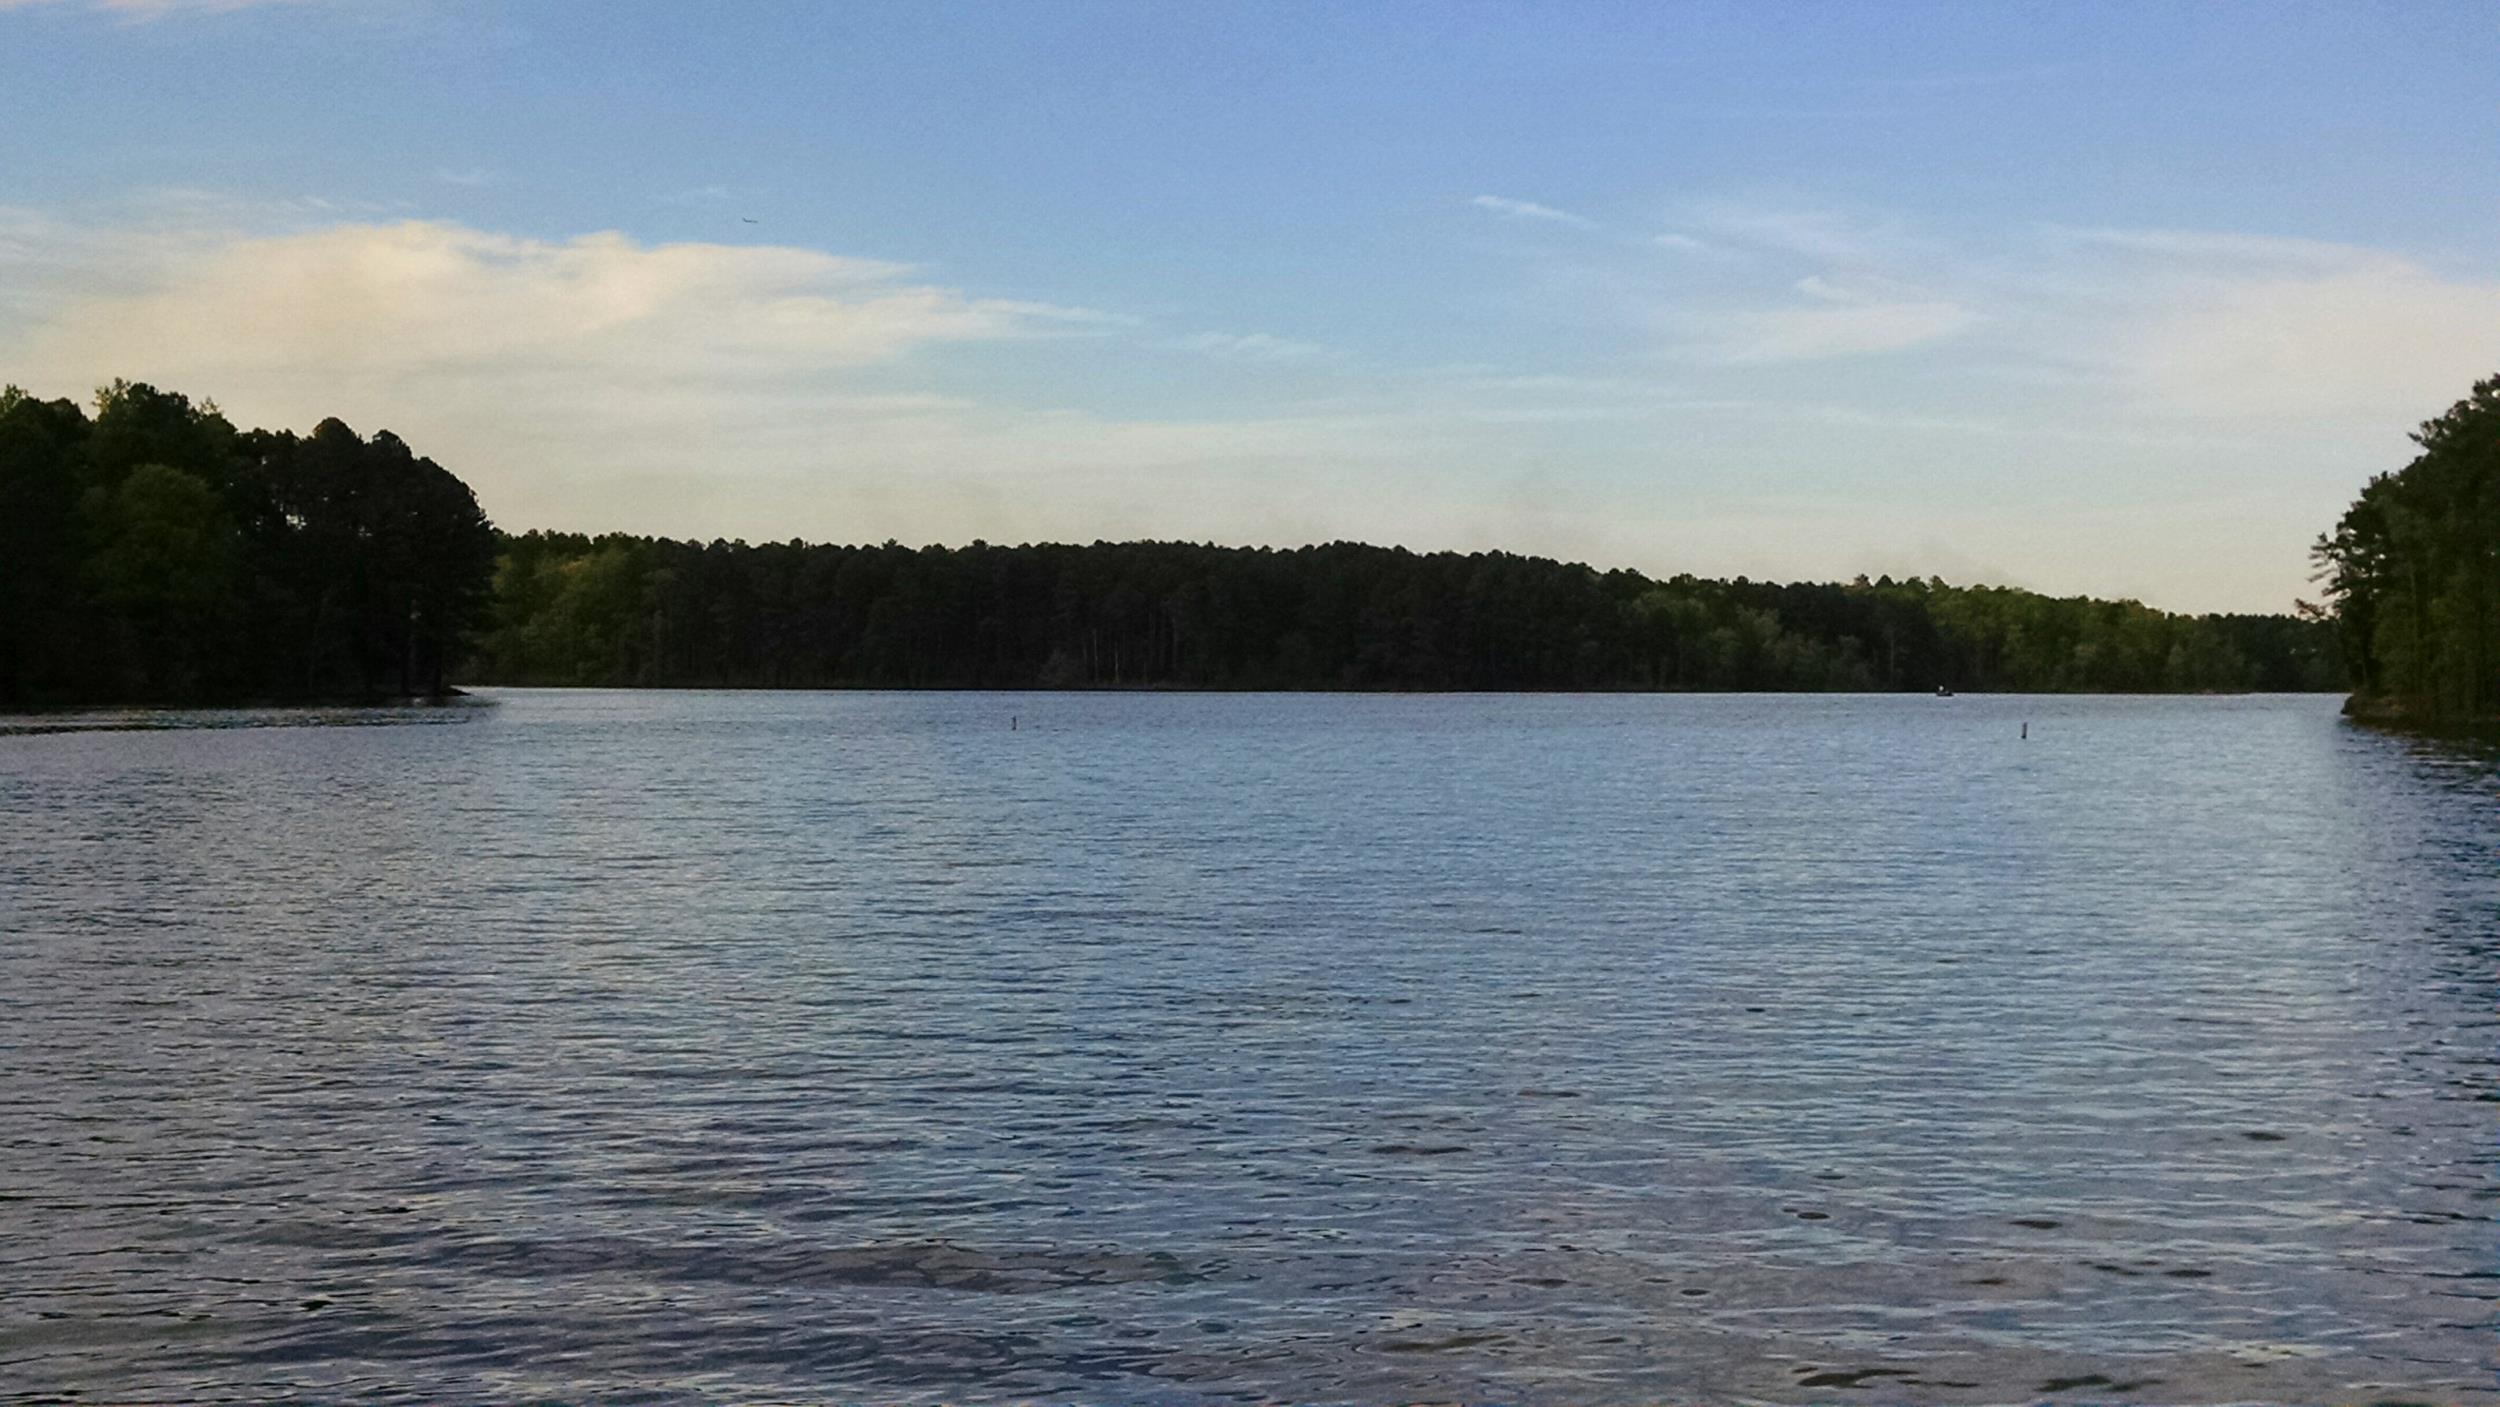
x: 2392, y: 714
x: 450, y: 697
x: 468, y: 695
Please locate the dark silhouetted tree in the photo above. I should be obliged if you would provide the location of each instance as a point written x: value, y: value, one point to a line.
x: 2412, y: 571
x: 154, y: 552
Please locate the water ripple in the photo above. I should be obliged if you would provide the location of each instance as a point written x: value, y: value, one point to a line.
x: 1195, y: 1049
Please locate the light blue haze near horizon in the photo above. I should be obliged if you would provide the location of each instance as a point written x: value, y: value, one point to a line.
x: 2118, y: 299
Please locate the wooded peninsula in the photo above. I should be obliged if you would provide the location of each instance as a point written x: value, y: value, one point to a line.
x: 152, y: 552
x: 2410, y: 569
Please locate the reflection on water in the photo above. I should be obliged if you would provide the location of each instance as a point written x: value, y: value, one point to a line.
x: 1180, y: 1049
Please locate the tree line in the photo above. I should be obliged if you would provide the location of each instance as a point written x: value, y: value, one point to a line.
x: 624, y: 610
x: 2410, y: 573
x: 150, y: 551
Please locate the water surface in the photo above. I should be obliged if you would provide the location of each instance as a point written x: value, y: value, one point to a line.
x: 657, y: 1047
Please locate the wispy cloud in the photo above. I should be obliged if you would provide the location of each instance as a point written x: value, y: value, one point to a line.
x: 602, y: 381
x: 1846, y: 310
x: 2170, y: 331
x: 2387, y: 342
x: 2235, y: 252
x: 694, y: 388
x: 1844, y: 329
x: 469, y: 176
x: 1252, y: 347
x: 1827, y: 236
x: 2257, y: 331
x: 426, y: 301
x: 1530, y: 210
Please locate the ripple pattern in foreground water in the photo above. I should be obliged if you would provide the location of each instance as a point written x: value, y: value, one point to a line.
x: 1183, y: 1049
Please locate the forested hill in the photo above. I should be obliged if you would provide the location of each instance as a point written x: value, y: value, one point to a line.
x: 2413, y: 574
x: 640, y: 611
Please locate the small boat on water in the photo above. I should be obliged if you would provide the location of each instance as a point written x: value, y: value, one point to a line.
x: 1943, y: 693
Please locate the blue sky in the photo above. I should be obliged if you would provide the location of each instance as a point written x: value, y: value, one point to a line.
x: 2089, y: 298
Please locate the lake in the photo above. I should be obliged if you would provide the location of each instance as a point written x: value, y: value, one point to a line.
x: 1197, y: 1048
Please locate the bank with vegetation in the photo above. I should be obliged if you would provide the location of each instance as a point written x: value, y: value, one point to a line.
x: 637, y: 611
x: 2412, y: 576
x: 150, y: 551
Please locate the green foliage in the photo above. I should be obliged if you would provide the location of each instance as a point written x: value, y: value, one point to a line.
x: 2412, y: 572
x: 153, y: 552
x: 162, y: 571
x: 641, y: 611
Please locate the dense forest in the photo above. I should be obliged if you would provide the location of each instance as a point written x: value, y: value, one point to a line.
x: 628, y: 610
x: 152, y: 552
x: 2412, y: 574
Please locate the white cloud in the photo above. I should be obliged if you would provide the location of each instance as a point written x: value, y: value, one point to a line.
x: 2223, y: 328
x: 691, y: 389
x: 1530, y: 210
x: 441, y: 300
x: 2253, y: 331
x: 698, y: 389
x: 469, y: 176
x: 673, y: 387
x: 2384, y: 342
